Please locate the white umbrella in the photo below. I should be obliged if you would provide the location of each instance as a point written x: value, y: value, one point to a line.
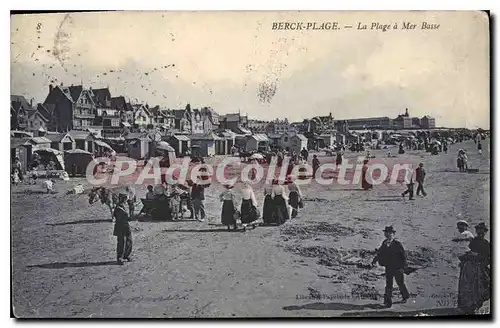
x: 257, y: 156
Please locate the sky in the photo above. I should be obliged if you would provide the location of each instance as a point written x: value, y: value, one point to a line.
x: 235, y: 61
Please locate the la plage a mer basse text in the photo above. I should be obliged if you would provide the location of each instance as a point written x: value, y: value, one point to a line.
x: 322, y: 26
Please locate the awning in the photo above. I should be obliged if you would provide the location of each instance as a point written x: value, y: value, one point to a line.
x: 260, y: 137
x: 77, y: 151
x: 103, y: 144
x: 181, y: 137
x: 126, y: 124
x: 162, y: 145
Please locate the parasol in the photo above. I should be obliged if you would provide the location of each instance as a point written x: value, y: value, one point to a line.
x: 257, y: 156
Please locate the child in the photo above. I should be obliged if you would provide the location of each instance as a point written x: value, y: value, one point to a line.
x: 49, y: 185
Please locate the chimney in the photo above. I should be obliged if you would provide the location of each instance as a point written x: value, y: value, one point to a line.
x: 50, y: 87
x: 62, y: 84
x: 31, y: 102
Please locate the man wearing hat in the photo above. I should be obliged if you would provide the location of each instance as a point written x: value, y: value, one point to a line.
x: 392, y: 256
x: 122, y: 230
x: 420, y: 176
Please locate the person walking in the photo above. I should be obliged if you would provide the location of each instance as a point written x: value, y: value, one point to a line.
x: 409, y: 183
x: 392, y: 256
x: 197, y: 201
x: 122, y: 230
x: 420, y: 176
x: 315, y: 164
x: 268, y: 210
x: 364, y: 177
x: 294, y: 198
x: 475, y: 275
x: 280, y: 202
x: 131, y: 199
x: 229, y: 206
x: 249, y: 212
x: 304, y: 153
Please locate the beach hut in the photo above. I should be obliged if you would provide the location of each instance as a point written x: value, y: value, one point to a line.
x: 60, y: 141
x: 48, y: 155
x: 76, y: 161
x: 181, y: 143
x: 166, y: 151
x: 19, y: 147
x: 203, y: 145
x: 257, y: 142
x: 138, y: 148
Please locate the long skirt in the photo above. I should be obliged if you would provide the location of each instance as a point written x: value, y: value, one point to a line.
x: 124, y: 246
x: 248, y: 212
x: 281, y: 209
x: 473, y: 285
x: 268, y: 215
x: 227, y: 216
x: 293, y: 201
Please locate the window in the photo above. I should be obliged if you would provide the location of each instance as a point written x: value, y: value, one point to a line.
x: 286, y: 139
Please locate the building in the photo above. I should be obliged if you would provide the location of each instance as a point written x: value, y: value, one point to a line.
x: 19, y: 112
x: 197, y: 122
x: 60, y: 141
x: 278, y: 126
x: 367, y: 123
x: 293, y: 142
x: 180, y: 143
x: 83, y: 140
x: 233, y: 122
x: 38, y: 120
x: 258, y: 142
x: 427, y: 122
x: 207, y: 144
x: 182, y: 121
x: 143, y: 119
x: 211, y: 119
x: 163, y: 118
x: 72, y: 108
x: 256, y: 126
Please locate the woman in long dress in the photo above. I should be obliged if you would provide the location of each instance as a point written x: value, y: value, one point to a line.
x: 294, y: 198
x: 364, y: 181
x: 280, y: 203
x: 474, y: 284
x: 249, y: 213
x: 268, y: 211
x: 228, y: 199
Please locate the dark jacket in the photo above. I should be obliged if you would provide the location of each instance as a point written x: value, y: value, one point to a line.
x: 420, y: 174
x: 391, y: 257
x: 122, y: 227
x: 198, y: 192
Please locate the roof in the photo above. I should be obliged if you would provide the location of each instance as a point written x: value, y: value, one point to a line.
x: 228, y: 134
x: 39, y: 140
x: 301, y: 136
x: 100, y: 96
x: 125, y: 124
x: 353, y: 120
x: 205, y: 136
x: 274, y: 136
x: 260, y: 137
x: 103, y: 144
x: 119, y: 103
x: 49, y: 150
x: 129, y: 107
x: 179, y: 113
x: 19, y: 102
x: 163, y: 145
x: 45, y: 112
x: 135, y: 135
x: 77, y: 151
x: 180, y: 137
x: 75, y: 91
x: 57, y: 137
x: 17, y: 142
x: 243, y: 130
x: 79, y: 134
x: 232, y: 117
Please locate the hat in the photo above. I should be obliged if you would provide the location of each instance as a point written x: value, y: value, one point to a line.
x: 389, y: 229
x: 121, y: 196
x: 463, y: 222
x: 481, y: 226
x: 421, y: 164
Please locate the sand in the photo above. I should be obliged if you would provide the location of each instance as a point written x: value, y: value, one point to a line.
x: 63, y: 252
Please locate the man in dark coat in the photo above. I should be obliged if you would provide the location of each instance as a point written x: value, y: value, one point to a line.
x: 392, y: 256
x: 420, y: 176
x: 122, y: 230
x: 304, y: 153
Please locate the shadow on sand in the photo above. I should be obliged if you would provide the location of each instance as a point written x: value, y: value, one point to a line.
x: 62, y: 265
x: 399, y: 199
x: 389, y: 313
x: 78, y: 222
x: 32, y: 192
x: 200, y: 230
x: 333, y: 306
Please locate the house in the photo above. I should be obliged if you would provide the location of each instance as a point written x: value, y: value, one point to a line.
x: 257, y: 142
x: 19, y: 109
x: 211, y: 119
x: 233, y: 122
x: 38, y: 120
x: 293, y: 141
x: 274, y: 140
x: 278, y: 126
x: 21, y: 134
x: 142, y: 117
x: 257, y: 126
x: 72, y: 108
x: 182, y: 123
x: 206, y: 144
x: 107, y: 115
x: 60, y: 141
x: 181, y: 144
x: 427, y: 122
x: 164, y: 119
x: 83, y: 140
x: 197, y: 122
